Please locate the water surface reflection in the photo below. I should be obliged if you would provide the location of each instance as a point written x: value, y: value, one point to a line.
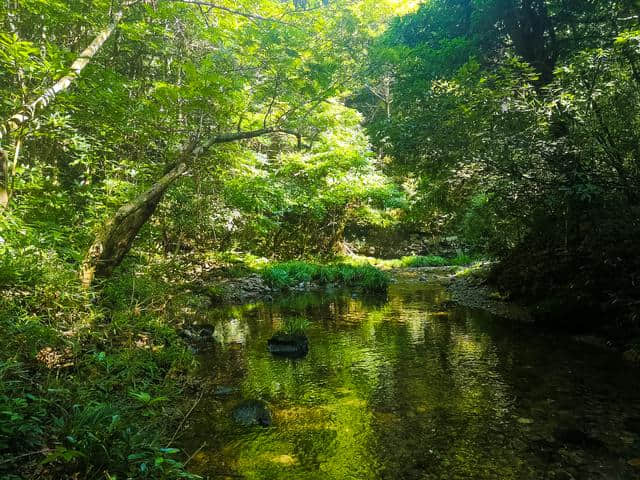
x: 397, y: 388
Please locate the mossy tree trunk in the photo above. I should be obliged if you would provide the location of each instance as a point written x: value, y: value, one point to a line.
x: 117, y: 235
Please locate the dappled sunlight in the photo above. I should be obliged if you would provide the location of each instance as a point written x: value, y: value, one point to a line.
x: 319, y: 239
x: 402, y: 7
x: 389, y: 389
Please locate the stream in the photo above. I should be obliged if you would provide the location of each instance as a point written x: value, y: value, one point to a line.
x: 400, y: 388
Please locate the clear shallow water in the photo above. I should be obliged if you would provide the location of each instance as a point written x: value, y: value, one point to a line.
x: 397, y: 388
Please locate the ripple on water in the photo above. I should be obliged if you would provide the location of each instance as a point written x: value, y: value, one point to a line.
x: 397, y: 388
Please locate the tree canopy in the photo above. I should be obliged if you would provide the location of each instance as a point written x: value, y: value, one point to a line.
x: 145, y: 143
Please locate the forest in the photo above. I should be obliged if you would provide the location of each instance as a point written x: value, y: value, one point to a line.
x: 365, y: 239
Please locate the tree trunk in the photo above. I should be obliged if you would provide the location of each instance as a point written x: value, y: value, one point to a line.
x: 533, y: 35
x: 4, y: 179
x: 117, y: 235
x: 29, y: 111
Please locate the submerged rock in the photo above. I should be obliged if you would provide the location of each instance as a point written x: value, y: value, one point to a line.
x: 577, y: 437
x: 447, y: 305
x: 223, y: 391
x: 205, y: 330
x: 197, y: 332
x: 252, y: 412
x: 288, y: 345
x: 199, y: 337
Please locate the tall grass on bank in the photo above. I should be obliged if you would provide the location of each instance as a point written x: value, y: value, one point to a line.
x: 290, y: 274
x: 459, y: 260
x: 417, y: 261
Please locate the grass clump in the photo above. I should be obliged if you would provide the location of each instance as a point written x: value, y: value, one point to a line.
x: 295, y: 325
x: 459, y: 260
x: 423, y: 261
x: 290, y: 274
x: 415, y: 261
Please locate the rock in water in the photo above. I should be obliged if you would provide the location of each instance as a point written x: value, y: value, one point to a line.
x: 575, y: 436
x: 205, y: 330
x: 223, y: 391
x: 252, y: 412
x: 288, y: 345
x: 447, y: 304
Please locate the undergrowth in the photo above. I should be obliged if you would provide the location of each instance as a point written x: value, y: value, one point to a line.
x: 417, y: 261
x: 436, y: 261
x: 90, y: 385
x: 290, y: 274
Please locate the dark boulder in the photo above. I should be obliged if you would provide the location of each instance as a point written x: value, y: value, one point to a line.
x: 198, y: 337
x: 205, y: 330
x: 288, y: 345
x: 252, y: 412
x: 197, y: 332
x: 577, y: 437
x: 447, y: 305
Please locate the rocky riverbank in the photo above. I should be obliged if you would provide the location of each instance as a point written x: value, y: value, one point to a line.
x: 467, y: 287
x: 470, y: 288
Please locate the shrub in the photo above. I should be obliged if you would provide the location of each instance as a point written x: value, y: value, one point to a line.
x: 276, y: 277
x: 372, y: 279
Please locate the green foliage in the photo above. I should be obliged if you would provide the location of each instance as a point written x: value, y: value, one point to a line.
x: 295, y: 325
x: 67, y: 363
x: 298, y: 203
x: 291, y: 274
x: 428, y: 261
x: 519, y: 140
x: 93, y: 436
x: 91, y: 379
x: 484, y: 171
x: 370, y: 278
x: 460, y: 260
x: 23, y: 414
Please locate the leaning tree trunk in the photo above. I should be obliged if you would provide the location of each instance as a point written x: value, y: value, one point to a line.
x: 29, y: 111
x: 116, y: 237
x: 4, y: 179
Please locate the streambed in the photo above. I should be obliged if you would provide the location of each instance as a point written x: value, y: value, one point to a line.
x: 397, y: 387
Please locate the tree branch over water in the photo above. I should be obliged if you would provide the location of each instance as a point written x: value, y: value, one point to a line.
x: 232, y: 11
